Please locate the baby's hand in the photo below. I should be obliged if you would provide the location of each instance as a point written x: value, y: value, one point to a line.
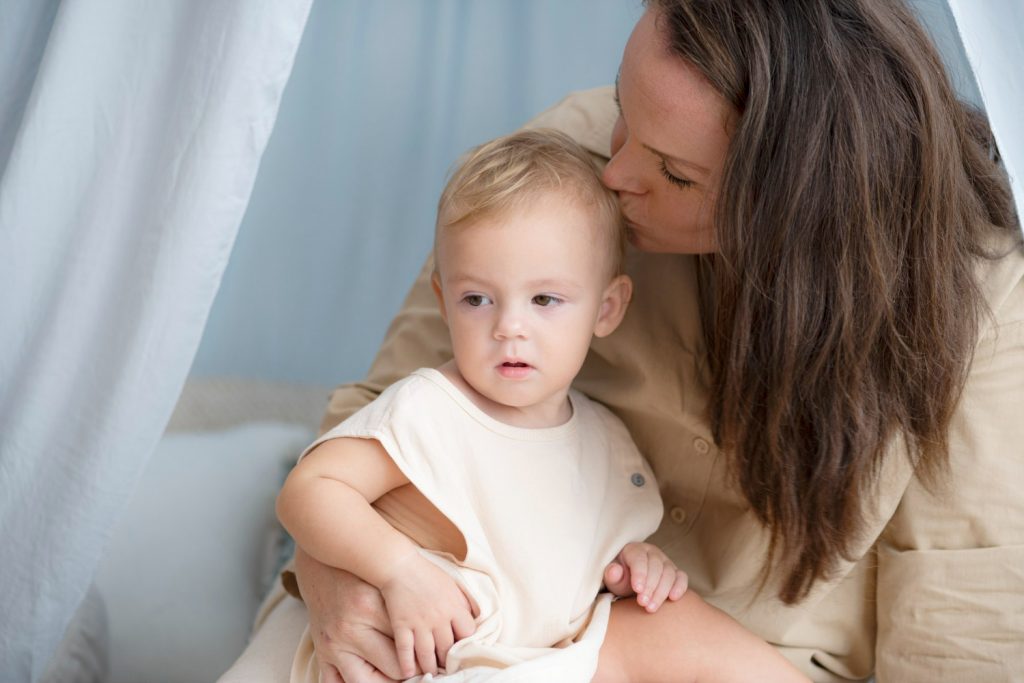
x: 428, y: 613
x: 642, y: 569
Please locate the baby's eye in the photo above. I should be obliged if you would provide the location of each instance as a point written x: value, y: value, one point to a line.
x: 546, y: 300
x: 476, y: 300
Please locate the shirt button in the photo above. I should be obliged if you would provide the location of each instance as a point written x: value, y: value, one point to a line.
x: 701, y: 445
x: 638, y: 479
x: 677, y: 514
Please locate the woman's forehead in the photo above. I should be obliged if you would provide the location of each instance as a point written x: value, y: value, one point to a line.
x: 667, y: 102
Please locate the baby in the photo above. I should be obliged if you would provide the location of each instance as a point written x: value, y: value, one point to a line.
x: 543, y: 487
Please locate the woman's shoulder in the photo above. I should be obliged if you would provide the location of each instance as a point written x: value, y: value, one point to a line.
x: 587, y: 116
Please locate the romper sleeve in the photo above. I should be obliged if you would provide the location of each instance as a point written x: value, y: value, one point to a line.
x: 418, y: 337
x: 950, y: 600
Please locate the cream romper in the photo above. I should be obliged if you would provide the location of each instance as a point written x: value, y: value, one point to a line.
x: 542, y: 511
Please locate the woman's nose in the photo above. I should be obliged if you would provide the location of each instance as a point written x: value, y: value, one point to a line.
x: 620, y: 172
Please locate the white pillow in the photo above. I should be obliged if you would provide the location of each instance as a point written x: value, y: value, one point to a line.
x: 84, y: 652
x: 186, y: 567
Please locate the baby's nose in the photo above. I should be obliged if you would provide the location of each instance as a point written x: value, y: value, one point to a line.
x: 510, y: 325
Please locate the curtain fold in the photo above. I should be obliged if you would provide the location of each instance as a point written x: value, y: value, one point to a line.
x: 990, y: 32
x: 128, y: 164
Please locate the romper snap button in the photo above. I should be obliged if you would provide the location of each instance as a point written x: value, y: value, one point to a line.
x: 638, y: 479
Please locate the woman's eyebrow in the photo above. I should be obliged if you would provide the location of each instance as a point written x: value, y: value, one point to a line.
x: 669, y: 157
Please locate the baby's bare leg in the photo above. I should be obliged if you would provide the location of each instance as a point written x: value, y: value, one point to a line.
x: 687, y: 641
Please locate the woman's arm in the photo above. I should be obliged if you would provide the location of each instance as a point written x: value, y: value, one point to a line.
x: 688, y: 641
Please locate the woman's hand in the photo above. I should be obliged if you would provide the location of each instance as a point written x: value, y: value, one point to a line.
x: 348, y: 624
x: 643, y: 570
x: 429, y: 612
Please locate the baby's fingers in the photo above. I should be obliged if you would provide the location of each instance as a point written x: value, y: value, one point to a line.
x: 651, y: 581
x: 679, y: 586
x: 617, y: 579
x: 661, y: 592
x: 637, y: 564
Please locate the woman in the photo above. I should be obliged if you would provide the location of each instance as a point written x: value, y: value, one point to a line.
x: 824, y: 359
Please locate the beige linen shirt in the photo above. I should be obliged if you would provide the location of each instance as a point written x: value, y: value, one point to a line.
x: 937, y: 590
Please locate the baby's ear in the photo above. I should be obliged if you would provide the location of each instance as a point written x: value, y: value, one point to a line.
x: 614, y: 303
x: 435, y: 283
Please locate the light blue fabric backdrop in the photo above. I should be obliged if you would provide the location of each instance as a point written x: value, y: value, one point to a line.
x: 384, y: 96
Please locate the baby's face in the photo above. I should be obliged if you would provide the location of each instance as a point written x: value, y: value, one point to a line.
x: 522, y: 293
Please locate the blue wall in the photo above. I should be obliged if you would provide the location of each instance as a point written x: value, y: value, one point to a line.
x: 384, y: 96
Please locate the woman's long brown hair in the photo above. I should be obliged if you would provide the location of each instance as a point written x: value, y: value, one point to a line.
x: 853, y: 209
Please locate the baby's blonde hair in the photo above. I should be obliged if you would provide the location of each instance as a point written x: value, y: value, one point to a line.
x: 513, y: 170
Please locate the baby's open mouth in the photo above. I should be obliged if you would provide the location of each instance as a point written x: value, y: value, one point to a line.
x: 515, y: 365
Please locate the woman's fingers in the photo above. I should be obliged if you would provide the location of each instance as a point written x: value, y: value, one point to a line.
x: 353, y: 669
x: 463, y: 626
x: 328, y: 674
x: 425, y: 653
x: 348, y: 622
x: 444, y: 638
x: 474, y: 609
x: 404, y: 648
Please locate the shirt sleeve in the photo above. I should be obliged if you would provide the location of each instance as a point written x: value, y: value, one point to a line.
x: 950, y: 600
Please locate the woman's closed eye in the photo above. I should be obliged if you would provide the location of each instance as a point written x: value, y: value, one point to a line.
x: 476, y: 300
x: 546, y: 300
x: 672, y: 178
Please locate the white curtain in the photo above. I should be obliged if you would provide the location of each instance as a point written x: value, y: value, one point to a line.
x: 130, y: 136
x: 991, y: 34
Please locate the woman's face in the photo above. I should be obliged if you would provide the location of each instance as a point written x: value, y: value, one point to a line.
x: 668, y: 146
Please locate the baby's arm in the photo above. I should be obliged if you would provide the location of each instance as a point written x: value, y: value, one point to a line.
x: 325, y: 505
